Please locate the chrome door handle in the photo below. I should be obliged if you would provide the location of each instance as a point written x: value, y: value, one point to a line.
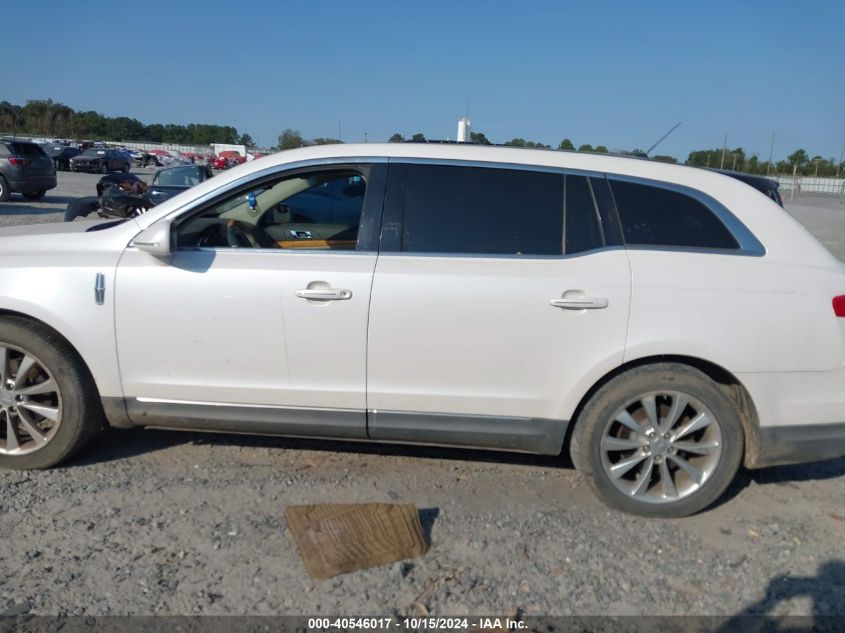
x: 324, y: 294
x: 580, y: 303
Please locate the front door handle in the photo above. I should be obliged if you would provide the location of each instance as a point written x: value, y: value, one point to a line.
x: 580, y: 303
x: 324, y: 294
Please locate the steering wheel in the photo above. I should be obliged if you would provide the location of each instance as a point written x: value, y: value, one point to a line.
x: 240, y: 234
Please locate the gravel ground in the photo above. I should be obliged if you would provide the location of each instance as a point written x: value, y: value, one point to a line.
x: 161, y: 522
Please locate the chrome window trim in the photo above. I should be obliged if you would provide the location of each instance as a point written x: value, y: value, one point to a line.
x: 749, y: 245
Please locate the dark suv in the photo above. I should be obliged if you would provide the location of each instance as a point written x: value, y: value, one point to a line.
x: 26, y: 169
x: 100, y: 159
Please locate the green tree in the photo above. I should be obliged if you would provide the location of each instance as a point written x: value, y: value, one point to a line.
x: 586, y: 147
x: 396, y: 138
x: 246, y: 139
x: 326, y: 141
x: 799, y: 157
x: 517, y: 142
x: 660, y: 158
x: 566, y: 144
x: 418, y: 137
x: 479, y: 138
x: 600, y: 149
x: 290, y: 139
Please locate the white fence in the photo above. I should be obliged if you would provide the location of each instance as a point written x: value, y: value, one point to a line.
x: 810, y: 184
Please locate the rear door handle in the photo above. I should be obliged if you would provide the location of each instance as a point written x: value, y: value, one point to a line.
x: 324, y: 294
x: 580, y: 303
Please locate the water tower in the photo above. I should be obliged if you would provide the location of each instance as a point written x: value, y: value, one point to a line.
x: 464, y: 125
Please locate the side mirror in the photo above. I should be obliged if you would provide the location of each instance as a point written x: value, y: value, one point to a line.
x: 154, y: 240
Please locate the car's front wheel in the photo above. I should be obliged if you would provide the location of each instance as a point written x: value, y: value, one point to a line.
x: 4, y: 190
x: 660, y: 440
x: 104, y: 168
x: 34, y: 195
x: 48, y: 402
x: 126, y: 168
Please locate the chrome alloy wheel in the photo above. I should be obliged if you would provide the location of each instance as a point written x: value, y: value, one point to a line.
x: 30, y: 402
x: 661, y: 447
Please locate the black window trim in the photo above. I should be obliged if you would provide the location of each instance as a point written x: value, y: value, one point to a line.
x: 611, y: 227
x: 373, y: 170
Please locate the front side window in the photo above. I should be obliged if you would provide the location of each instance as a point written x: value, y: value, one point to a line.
x: 314, y: 210
x: 653, y: 216
x: 450, y: 209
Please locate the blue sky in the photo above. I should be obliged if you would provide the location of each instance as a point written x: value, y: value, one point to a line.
x: 613, y: 73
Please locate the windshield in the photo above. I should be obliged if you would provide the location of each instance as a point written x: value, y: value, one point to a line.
x: 94, y: 152
x: 178, y: 177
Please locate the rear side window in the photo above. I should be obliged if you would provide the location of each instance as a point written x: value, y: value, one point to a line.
x: 27, y: 150
x: 653, y: 216
x: 449, y: 209
x: 583, y: 231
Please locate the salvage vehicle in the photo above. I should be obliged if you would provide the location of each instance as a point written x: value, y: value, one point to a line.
x: 25, y: 169
x: 663, y: 325
x: 61, y: 155
x: 100, y: 160
x: 172, y: 180
x: 124, y: 195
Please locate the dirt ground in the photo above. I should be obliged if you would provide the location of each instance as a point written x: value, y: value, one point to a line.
x: 165, y: 522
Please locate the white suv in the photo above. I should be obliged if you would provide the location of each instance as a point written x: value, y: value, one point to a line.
x: 663, y: 324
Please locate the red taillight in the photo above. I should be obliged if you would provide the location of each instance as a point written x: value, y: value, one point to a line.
x: 839, y: 306
x: 23, y: 162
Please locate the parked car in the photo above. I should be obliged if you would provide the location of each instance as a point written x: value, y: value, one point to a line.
x: 662, y: 324
x: 172, y: 180
x: 124, y: 195
x: 100, y: 160
x: 61, y: 155
x: 25, y: 169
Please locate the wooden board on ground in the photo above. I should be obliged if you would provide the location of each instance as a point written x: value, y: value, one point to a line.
x: 338, y: 538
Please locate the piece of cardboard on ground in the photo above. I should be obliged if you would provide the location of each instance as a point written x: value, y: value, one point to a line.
x: 335, y: 538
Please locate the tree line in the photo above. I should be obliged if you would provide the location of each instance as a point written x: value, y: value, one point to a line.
x: 56, y: 120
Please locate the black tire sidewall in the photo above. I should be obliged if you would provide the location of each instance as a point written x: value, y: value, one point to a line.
x: 4, y: 190
x: 587, y: 436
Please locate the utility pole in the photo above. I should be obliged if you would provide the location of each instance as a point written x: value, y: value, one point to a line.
x: 841, y: 158
x: 724, y: 147
x: 339, y: 136
x: 733, y: 168
x: 771, y: 152
x: 365, y: 137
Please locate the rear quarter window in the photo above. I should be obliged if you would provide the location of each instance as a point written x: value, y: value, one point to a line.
x: 654, y: 216
x: 27, y: 150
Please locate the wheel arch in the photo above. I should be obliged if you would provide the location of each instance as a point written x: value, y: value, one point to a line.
x: 723, y: 378
x: 113, y: 408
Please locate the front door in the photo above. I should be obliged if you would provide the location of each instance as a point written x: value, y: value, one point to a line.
x: 260, y: 316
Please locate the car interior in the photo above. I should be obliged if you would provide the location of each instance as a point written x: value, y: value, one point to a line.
x: 311, y: 211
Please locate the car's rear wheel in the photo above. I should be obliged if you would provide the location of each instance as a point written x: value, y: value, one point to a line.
x: 4, y: 190
x: 126, y: 168
x: 660, y: 440
x: 49, y: 406
x: 104, y: 168
x: 34, y: 195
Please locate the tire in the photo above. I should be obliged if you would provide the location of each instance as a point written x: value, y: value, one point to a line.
x: 74, y: 401
x: 126, y: 168
x: 601, y: 444
x: 35, y: 195
x: 4, y: 190
x: 104, y: 167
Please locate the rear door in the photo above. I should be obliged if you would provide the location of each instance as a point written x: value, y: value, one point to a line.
x: 496, y: 297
